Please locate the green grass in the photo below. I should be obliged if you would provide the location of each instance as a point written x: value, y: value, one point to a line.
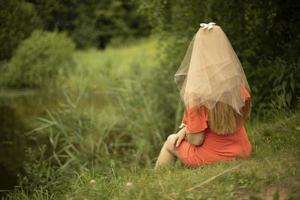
x: 271, y: 173
x: 100, y: 70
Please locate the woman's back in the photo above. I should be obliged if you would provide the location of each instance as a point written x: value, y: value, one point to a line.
x: 232, y: 145
x: 215, y: 146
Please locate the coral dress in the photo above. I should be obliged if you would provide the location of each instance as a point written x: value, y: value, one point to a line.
x: 214, y: 147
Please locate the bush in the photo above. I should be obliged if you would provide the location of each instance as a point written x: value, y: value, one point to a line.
x: 278, y: 86
x: 42, y: 59
x: 18, y: 19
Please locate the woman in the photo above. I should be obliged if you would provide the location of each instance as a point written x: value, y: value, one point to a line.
x: 217, y: 102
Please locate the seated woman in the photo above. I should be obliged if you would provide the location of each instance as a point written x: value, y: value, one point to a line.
x: 217, y: 104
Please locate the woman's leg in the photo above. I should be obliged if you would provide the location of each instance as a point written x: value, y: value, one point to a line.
x: 168, y: 153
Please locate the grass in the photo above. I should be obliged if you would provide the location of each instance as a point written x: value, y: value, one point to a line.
x: 97, y: 70
x: 271, y: 173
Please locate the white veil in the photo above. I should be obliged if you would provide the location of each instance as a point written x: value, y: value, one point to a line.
x: 211, y: 71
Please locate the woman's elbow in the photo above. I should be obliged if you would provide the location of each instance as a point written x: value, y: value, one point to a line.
x: 195, y: 140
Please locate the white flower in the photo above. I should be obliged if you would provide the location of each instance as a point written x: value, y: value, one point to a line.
x: 129, y: 184
x: 92, y: 182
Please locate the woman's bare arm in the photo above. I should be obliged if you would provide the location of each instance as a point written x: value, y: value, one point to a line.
x: 195, y: 138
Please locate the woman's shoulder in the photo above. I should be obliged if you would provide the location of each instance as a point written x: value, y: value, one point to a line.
x: 195, y: 119
x: 196, y: 111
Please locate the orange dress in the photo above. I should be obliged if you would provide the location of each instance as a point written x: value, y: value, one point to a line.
x: 214, y: 147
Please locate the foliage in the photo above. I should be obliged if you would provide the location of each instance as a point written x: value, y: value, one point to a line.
x: 262, y: 33
x: 73, y: 138
x: 144, y: 121
x: 41, y: 60
x: 13, y: 30
x: 278, y: 87
x: 38, y: 173
x: 93, y: 23
x: 67, y: 141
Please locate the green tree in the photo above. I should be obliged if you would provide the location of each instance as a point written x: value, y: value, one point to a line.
x: 93, y: 22
x: 18, y: 19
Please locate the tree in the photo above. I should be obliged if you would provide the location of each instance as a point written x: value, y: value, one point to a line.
x: 93, y: 22
x: 18, y: 19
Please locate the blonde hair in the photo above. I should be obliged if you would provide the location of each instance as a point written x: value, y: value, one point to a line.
x: 223, y: 119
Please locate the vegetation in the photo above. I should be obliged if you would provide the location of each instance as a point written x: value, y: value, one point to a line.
x: 13, y: 30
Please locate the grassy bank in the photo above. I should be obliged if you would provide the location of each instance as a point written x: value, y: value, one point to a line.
x: 271, y: 173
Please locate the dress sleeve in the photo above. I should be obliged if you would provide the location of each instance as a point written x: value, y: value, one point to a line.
x: 195, y: 120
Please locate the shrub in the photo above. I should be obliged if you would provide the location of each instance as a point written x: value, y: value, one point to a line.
x: 276, y: 86
x: 42, y: 59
